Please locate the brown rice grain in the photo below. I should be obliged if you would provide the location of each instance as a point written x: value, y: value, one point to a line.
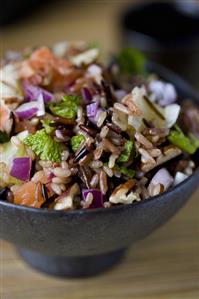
x: 63, y: 187
x: 111, y: 162
x: 103, y: 182
x: 121, y: 108
x: 104, y: 132
x: 60, y: 172
x: 94, y: 181
x: 64, y: 165
x: 46, y: 164
x: 143, y: 140
x: 101, y: 119
x: 108, y: 171
x: 96, y: 164
x: 107, y: 204
x: 145, y: 156
x: 15, y: 141
x: 56, y: 188
x: 30, y: 153
x: 34, y: 121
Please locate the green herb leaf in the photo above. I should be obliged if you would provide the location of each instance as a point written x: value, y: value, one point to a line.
x: 93, y: 45
x: 186, y: 144
x: 128, y: 172
x: 66, y: 108
x: 125, y: 155
x: 131, y: 61
x: 44, y: 146
x: 47, y: 125
x: 3, y: 137
x: 76, y: 141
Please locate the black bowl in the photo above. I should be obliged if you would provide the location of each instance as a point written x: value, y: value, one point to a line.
x: 86, y: 242
x: 166, y: 32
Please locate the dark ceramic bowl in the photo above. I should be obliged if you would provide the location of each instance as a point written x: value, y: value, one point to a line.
x: 166, y: 32
x: 86, y: 242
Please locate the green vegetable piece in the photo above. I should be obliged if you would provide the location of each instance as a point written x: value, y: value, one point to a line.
x: 44, y: 146
x: 125, y: 155
x: 3, y: 137
x: 128, y: 172
x: 186, y: 144
x: 194, y: 140
x: 47, y: 125
x: 76, y: 141
x: 93, y: 45
x: 66, y: 108
x: 131, y: 61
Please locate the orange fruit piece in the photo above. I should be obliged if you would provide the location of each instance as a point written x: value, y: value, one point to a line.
x: 29, y: 194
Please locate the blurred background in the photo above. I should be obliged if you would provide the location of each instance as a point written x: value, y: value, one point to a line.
x: 166, y: 264
x: 166, y: 31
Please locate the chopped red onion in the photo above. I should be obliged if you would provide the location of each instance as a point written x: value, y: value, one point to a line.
x: 97, y: 198
x: 179, y: 178
x: 162, y: 93
x: 32, y: 92
x: 162, y: 177
x: 94, y: 70
x: 91, y: 110
x: 60, y: 135
x: 120, y: 94
x: 86, y: 95
x: 27, y: 110
x: 20, y: 168
x: 41, y: 106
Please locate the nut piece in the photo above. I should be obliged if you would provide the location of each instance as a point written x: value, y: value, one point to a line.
x: 169, y: 152
x: 65, y: 201
x: 119, y: 195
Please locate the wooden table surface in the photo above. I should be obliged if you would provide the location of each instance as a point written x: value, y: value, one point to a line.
x: 163, y: 266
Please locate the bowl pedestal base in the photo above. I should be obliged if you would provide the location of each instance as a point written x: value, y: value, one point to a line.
x: 71, y: 267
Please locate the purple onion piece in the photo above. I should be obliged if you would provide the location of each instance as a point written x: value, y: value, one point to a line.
x: 91, y: 109
x: 86, y: 95
x: 97, y: 198
x: 32, y: 92
x: 27, y: 110
x: 20, y: 168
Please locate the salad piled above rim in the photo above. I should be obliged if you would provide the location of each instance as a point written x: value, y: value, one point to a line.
x: 79, y: 133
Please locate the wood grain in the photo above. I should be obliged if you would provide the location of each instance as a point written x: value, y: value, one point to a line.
x: 163, y: 266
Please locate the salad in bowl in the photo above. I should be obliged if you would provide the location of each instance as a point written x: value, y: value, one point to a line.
x: 77, y: 132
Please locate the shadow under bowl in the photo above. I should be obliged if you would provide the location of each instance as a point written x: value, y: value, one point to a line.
x: 84, y: 243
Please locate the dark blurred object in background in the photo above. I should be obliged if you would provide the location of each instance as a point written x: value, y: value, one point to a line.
x: 166, y: 32
x: 12, y: 10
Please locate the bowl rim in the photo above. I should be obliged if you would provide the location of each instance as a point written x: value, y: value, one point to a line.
x: 165, y: 73
x: 84, y: 212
